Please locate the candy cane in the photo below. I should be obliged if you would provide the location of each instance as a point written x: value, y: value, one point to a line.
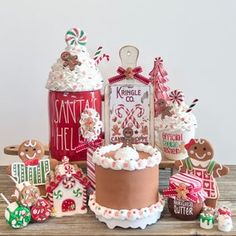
x: 194, y: 102
x: 131, y: 117
x: 129, y: 114
x: 68, y: 182
x: 97, y: 53
x: 75, y: 36
x: 98, y: 60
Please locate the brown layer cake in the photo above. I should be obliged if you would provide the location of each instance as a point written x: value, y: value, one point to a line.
x: 127, y: 183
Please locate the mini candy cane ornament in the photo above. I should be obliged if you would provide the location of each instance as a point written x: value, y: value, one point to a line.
x: 75, y: 37
x: 194, y: 102
x: 176, y: 96
x: 41, y: 210
x: 17, y: 216
x: 97, y: 53
x: 98, y: 60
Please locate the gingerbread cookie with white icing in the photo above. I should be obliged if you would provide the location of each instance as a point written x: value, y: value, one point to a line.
x: 201, y: 164
x: 34, y: 167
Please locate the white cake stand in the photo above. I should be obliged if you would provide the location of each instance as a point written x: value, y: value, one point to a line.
x: 140, y: 223
x: 112, y: 221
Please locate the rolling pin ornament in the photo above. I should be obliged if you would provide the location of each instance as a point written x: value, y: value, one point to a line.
x: 201, y: 164
x: 17, y: 216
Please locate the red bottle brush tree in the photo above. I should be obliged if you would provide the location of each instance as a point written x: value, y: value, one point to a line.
x: 158, y: 77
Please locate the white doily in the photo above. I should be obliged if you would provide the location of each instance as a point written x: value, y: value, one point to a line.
x: 91, y: 125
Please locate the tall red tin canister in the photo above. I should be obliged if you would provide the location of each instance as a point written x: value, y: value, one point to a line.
x: 74, y: 85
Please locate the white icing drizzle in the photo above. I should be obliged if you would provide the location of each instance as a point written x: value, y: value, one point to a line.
x: 123, y: 214
x: 218, y: 169
x: 84, y: 77
x: 180, y: 120
x: 127, y: 163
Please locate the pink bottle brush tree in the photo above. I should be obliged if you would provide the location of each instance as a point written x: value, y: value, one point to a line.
x: 158, y: 77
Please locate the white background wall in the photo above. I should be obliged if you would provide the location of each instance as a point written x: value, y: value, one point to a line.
x: 195, y: 38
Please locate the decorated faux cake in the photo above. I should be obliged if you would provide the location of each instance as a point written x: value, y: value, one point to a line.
x: 127, y: 185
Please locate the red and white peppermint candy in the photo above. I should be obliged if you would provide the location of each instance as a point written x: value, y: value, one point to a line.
x: 68, y: 182
x: 75, y: 37
x: 176, y: 96
x: 41, y: 210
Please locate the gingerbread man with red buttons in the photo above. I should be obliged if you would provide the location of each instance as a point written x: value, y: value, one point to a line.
x: 201, y: 164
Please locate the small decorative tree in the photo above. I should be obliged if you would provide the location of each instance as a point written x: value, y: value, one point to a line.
x: 158, y: 77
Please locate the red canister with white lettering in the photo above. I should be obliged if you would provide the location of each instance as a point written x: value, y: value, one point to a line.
x: 65, y: 109
x: 74, y: 102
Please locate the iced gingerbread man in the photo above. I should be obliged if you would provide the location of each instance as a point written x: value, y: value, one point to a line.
x: 201, y: 164
x: 33, y: 167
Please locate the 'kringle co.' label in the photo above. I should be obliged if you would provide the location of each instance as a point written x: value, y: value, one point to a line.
x: 129, y: 106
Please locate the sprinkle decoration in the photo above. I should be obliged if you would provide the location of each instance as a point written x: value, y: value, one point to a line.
x: 75, y: 37
x: 176, y: 96
x: 97, y: 53
x: 99, y: 59
x: 194, y: 102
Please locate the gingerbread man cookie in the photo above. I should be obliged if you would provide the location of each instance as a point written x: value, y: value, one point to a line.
x: 128, y: 136
x: 34, y: 167
x: 70, y: 60
x: 201, y: 164
x: 164, y: 108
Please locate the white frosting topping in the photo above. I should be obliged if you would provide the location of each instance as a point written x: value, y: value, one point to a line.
x: 123, y: 214
x: 126, y: 163
x: 126, y: 154
x: 180, y: 120
x: 84, y: 77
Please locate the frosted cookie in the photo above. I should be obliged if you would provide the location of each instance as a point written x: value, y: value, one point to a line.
x: 200, y: 163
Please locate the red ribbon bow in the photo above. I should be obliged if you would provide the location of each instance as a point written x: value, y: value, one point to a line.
x: 33, y: 162
x: 129, y: 73
x: 191, y: 195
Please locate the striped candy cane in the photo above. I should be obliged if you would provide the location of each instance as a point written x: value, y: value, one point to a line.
x: 97, y: 53
x: 98, y: 60
x: 129, y: 114
x: 194, y: 102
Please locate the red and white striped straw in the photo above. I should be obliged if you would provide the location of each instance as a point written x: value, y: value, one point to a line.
x: 194, y: 102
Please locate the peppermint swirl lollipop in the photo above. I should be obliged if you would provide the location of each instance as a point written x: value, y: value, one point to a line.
x: 176, y: 96
x: 29, y: 195
x: 17, y: 216
x: 41, y: 210
x: 75, y: 37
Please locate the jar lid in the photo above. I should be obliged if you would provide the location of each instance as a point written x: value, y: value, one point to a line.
x: 185, y: 186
